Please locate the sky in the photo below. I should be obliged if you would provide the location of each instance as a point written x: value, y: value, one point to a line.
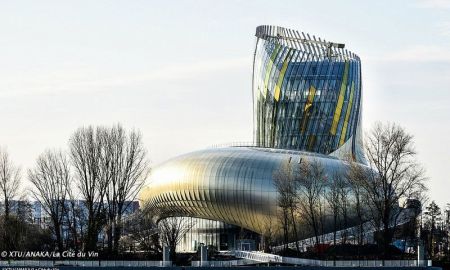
x: 180, y: 71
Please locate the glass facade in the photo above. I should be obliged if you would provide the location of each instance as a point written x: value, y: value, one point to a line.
x: 307, y: 106
x: 306, y: 94
x: 215, y: 233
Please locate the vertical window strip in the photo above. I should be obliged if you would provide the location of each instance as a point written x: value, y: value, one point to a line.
x: 257, y: 66
x: 340, y: 101
x: 327, y: 89
x: 347, y: 115
x: 287, y: 93
x: 356, y: 112
x: 307, y: 108
x: 350, y: 77
x: 283, y: 105
x: 282, y: 61
x: 270, y: 103
x: 323, y: 68
x: 300, y: 101
x: 267, y: 103
x: 267, y: 49
x: 269, y: 68
x: 281, y: 77
x: 351, y: 129
x: 357, y: 97
x: 308, y: 141
x: 276, y: 69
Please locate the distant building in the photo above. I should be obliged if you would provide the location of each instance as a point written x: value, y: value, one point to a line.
x: 34, y: 213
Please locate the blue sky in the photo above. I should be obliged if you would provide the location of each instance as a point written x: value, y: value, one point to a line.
x: 180, y: 71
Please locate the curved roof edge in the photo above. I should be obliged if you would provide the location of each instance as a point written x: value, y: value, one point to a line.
x: 303, y: 41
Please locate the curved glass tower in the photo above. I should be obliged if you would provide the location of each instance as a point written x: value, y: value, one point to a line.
x: 306, y: 92
x: 307, y: 106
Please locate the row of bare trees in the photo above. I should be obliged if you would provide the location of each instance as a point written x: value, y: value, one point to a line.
x: 103, y: 170
x: 325, y: 201
x: 307, y: 196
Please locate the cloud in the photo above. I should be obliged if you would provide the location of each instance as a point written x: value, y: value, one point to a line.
x: 437, y: 4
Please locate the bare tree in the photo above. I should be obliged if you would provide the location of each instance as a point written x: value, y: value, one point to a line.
x: 9, y: 188
x: 358, y: 198
x: 51, y: 180
x: 143, y: 229
x: 312, y: 182
x: 110, y: 167
x: 75, y: 219
x: 333, y: 199
x: 394, y: 176
x: 286, y: 185
x: 344, y: 201
x: 85, y: 149
x: 270, y: 230
x: 9, y: 180
x: 172, y: 230
x: 124, y: 166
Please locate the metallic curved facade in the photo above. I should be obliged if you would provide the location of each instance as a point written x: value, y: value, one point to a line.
x: 307, y: 105
x: 234, y: 185
x: 306, y: 92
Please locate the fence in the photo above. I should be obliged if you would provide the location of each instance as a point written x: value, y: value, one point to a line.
x: 39, y: 263
x: 222, y: 263
x: 247, y: 258
x: 266, y: 257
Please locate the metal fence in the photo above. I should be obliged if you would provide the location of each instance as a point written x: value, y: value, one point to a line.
x: 42, y: 263
x: 247, y: 258
x: 222, y: 263
x: 266, y: 257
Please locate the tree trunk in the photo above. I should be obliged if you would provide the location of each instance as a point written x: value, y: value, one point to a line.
x: 314, y: 224
x: 91, y: 236
x: 335, y: 228
x: 59, y: 240
x: 109, y: 233
x: 117, y: 233
x: 6, y: 232
x: 173, y: 253
x: 75, y: 234
x: 386, y: 237
x: 7, y: 208
x: 286, y: 230
x: 295, y: 232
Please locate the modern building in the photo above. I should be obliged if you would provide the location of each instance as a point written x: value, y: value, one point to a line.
x: 307, y: 107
